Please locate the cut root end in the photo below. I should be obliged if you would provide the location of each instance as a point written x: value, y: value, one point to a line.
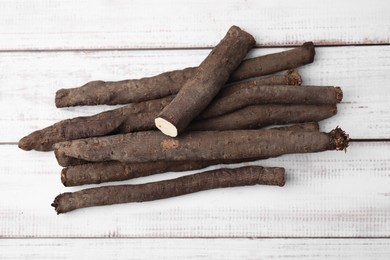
x: 294, y: 78
x: 339, y: 94
x: 166, y: 127
x: 340, y: 139
x: 55, y: 204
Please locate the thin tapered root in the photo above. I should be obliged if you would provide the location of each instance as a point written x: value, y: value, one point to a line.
x: 196, y: 146
x: 214, y: 179
x: 25, y: 143
x: 168, y: 83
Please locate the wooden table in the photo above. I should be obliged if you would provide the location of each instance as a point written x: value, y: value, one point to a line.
x: 335, y: 205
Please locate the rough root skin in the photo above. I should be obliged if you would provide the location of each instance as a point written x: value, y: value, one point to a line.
x: 25, y: 143
x: 339, y: 138
x: 214, y: 145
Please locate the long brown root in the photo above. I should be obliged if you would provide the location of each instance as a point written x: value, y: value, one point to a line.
x: 169, y: 83
x: 196, y: 146
x: 95, y: 173
x: 221, y: 178
x: 140, y: 116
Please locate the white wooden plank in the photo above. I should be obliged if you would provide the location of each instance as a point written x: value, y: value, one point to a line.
x: 353, y: 249
x: 72, y: 24
x: 330, y: 194
x: 30, y: 80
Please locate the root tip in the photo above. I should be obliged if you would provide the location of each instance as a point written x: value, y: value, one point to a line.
x: 339, y: 94
x: 25, y: 143
x: 340, y: 139
x: 310, y: 47
x: 60, y: 95
x: 294, y: 78
x: 281, y: 177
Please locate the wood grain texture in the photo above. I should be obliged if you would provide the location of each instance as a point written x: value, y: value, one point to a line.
x: 71, y: 24
x: 225, y: 249
x: 330, y: 194
x: 29, y: 83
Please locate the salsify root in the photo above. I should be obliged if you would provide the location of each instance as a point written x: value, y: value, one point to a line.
x: 109, y: 123
x: 214, y: 179
x: 130, y: 118
x: 198, y: 145
x: 259, y: 116
x: 211, y: 75
x: 95, y: 173
x: 169, y: 83
x: 251, y: 93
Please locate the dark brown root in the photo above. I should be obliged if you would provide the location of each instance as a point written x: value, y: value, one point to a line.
x: 169, y: 83
x: 214, y: 179
x: 196, y: 146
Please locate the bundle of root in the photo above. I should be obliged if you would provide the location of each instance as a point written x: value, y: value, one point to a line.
x: 189, y: 119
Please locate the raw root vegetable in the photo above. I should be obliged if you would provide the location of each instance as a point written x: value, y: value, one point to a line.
x: 311, y: 126
x: 106, y: 123
x: 251, y: 93
x: 196, y: 146
x: 258, y: 116
x: 130, y: 118
x: 275, y: 62
x: 221, y: 178
x: 197, y: 93
x: 95, y: 173
x: 169, y: 83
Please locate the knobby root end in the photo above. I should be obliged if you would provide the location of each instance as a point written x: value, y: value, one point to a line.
x: 55, y: 204
x: 340, y: 139
x: 294, y: 78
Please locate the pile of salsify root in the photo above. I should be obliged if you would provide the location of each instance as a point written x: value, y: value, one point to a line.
x: 190, y: 119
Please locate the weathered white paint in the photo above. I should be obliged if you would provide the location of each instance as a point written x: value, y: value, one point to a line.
x: 225, y: 249
x: 120, y: 24
x: 330, y: 194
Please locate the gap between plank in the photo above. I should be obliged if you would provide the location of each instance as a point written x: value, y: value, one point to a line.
x: 317, y: 45
x: 214, y: 237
